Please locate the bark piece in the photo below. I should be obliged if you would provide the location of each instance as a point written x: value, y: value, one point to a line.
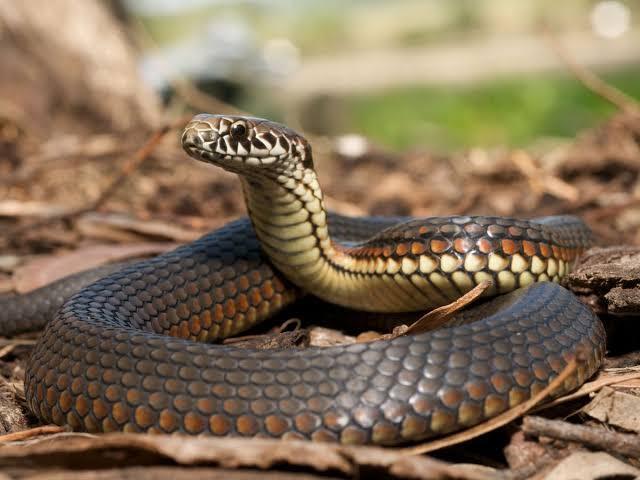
x: 608, y: 279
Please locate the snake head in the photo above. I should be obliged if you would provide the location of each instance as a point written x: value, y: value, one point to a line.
x: 245, y: 144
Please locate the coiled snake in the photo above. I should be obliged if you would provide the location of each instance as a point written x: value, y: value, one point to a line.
x: 127, y: 352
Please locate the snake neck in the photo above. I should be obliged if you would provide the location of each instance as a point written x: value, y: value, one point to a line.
x: 290, y: 220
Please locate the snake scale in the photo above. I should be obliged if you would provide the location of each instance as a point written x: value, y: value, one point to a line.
x: 131, y: 350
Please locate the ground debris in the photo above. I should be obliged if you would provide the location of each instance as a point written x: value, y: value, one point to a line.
x: 626, y: 444
x: 592, y: 466
x: 81, y: 452
x: 46, y: 269
x: 616, y: 408
x: 609, y: 280
x: 12, y: 417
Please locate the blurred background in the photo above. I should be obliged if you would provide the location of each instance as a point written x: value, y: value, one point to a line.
x: 413, y: 107
x: 443, y: 74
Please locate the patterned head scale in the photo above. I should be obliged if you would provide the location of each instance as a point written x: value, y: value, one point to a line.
x: 243, y: 144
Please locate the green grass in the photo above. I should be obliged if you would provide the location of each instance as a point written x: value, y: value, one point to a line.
x: 512, y: 111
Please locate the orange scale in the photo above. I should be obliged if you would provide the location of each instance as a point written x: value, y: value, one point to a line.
x: 485, y: 245
x: 529, y: 248
x: 463, y: 245
x: 510, y: 247
x: 418, y: 248
x: 545, y: 250
x: 439, y: 246
x: 402, y: 249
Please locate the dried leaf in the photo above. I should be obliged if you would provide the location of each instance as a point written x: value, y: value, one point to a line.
x: 591, y: 466
x: 328, y: 337
x: 368, y: 336
x: 148, y: 228
x: 438, y: 317
x: 87, y: 452
x: 45, y: 270
x: 615, y: 408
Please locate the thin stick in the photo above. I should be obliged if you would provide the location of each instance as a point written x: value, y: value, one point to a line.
x: 598, y: 437
x: 30, y: 433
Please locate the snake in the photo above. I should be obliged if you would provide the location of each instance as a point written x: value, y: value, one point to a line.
x: 136, y: 347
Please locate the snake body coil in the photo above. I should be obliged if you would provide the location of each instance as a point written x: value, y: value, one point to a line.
x: 121, y: 354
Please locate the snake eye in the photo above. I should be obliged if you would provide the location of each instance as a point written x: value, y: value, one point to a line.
x: 238, y: 130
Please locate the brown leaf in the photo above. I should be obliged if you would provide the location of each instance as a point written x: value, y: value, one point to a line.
x: 45, y: 270
x: 147, y: 228
x: 615, y: 408
x: 328, y: 337
x: 439, y: 316
x: 591, y: 466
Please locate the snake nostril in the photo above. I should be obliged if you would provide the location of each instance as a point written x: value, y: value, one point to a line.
x: 191, y: 137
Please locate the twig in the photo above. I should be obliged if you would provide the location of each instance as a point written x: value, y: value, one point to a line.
x: 620, y: 443
x: 135, y: 162
x: 7, y: 349
x: 590, y: 80
x: 30, y: 433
